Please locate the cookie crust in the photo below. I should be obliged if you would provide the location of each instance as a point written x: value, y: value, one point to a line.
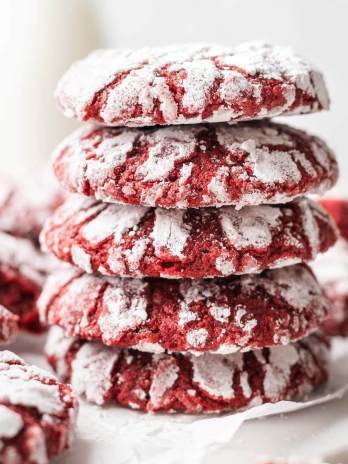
x: 239, y: 313
x: 189, y: 384
x: 190, y: 84
x: 136, y: 241
x: 195, y: 166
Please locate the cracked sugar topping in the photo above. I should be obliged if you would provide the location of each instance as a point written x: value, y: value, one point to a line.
x: 136, y: 241
x: 37, y: 414
x: 188, y: 383
x: 190, y: 84
x: 22, y: 255
x: 195, y: 166
x: 239, y: 313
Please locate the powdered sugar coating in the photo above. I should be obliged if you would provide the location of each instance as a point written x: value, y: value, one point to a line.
x: 10, y: 423
x: 8, y: 325
x: 214, y: 374
x: 170, y: 232
x: 239, y: 313
x: 190, y: 84
x: 25, y: 204
x: 195, y: 243
x: 99, y: 363
x: 164, y: 378
x: 57, y: 337
x: 39, y: 412
x: 23, y: 269
x: 20, y: 254
x: 195, y: 166
x: 207, y: 383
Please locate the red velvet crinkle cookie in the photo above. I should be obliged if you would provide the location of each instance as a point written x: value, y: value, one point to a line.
x: 195, y: 166
x: 25, y: 204
x: 190, y: 84
x: 8, y: 325
x: 37, y: 414
x: 196, y: 243
x: 23, y: 270
x: 188, y: 383
x: 332, y: 272
x: 238, y: 313
x: 338, y: 208
x: 336, y: 323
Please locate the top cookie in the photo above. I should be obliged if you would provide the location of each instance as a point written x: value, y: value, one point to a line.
x: 190, y: 84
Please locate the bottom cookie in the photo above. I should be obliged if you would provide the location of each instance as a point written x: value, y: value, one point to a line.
x: 187, y: 383
x: 37, y: 414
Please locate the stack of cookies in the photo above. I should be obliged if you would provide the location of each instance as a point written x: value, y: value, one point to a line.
x: 188, y: 234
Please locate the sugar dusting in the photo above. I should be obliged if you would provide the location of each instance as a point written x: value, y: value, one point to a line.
x: 143, y: 82
x: 125, y: 308
x: 92, y: 369
x: 203, y: 315
x: 163, y: 379
x: 263, y: 155
x: 10, y: 423
x: 250, y: 227
x: 170, y: 232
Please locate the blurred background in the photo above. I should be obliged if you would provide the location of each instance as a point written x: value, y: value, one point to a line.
x: 40, y: 38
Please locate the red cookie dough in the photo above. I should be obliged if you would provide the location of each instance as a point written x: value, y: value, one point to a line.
x: 238, y: 313
x: 37, y: 414
x: 332, y: 272
x: 188, y: 383
x: 8, y: 325
x: 23, y: 270
x: 338, y: 208
x: 194, y: 166
x: 190, y: 84
x: 196, y: 243
x: 26, y: 204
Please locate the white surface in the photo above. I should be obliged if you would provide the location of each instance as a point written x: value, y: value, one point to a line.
x: 121, y: 436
